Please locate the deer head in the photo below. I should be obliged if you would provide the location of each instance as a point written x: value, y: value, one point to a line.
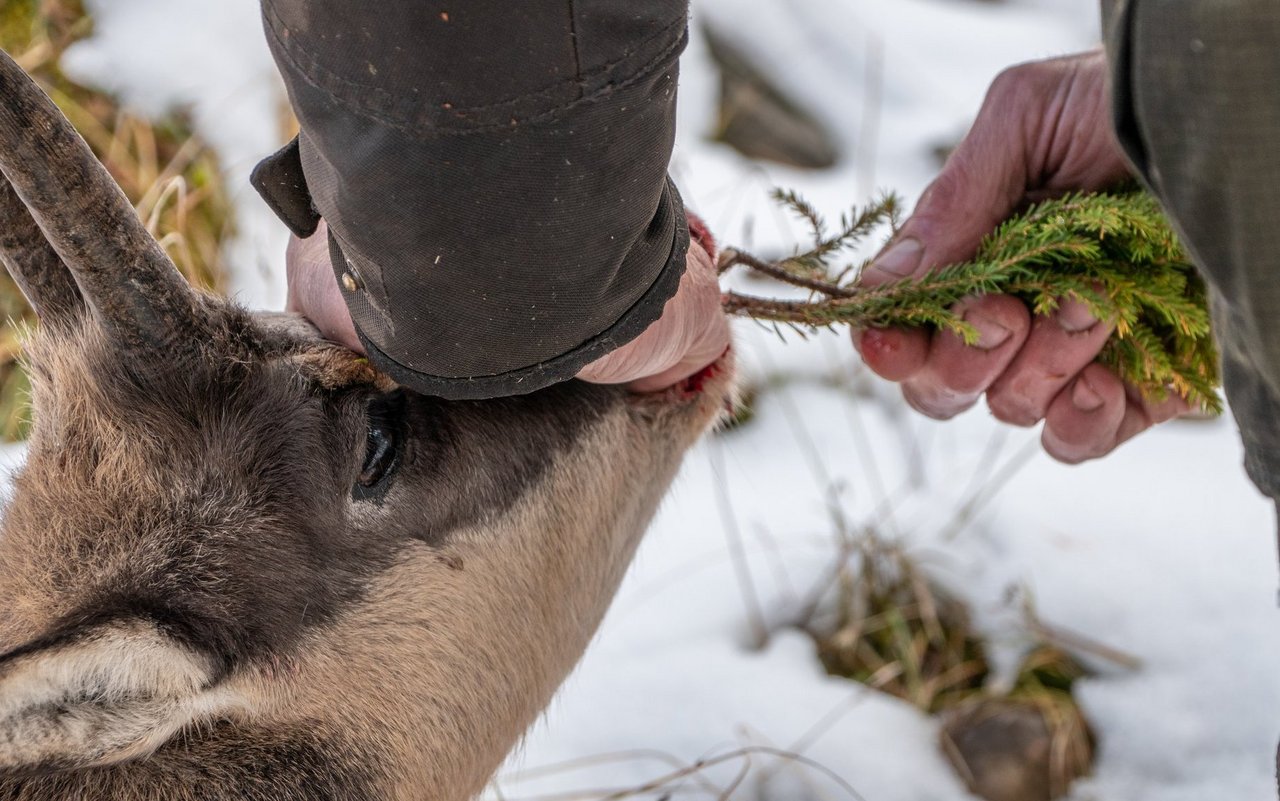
x: 240, y: 564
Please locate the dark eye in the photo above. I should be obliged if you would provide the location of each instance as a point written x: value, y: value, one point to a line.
x: 384, y: 437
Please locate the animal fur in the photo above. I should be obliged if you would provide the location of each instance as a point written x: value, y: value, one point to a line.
x: 197, y: 601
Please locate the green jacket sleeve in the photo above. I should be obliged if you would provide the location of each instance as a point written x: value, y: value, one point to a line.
x: 1197, y: 109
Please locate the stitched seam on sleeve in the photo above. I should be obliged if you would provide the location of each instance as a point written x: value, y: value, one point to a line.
x: 459, y: 125
x: 577, y: 55
x: 296, y: 58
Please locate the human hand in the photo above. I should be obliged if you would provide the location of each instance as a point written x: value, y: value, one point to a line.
x: 313, y: 291
x: 1044, y: 129
x: 692, y: 332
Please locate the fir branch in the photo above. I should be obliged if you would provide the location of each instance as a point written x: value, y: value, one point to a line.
x: 1113, y: 251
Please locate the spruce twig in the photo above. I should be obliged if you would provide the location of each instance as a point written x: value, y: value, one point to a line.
x: 1112, y: 251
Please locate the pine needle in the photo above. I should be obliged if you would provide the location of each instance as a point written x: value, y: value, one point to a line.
x: 1113, y: 251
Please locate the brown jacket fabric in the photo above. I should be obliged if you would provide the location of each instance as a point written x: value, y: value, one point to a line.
x: 493, y: 175
x: 1197, y: 109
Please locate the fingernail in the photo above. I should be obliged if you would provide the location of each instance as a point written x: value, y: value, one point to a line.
x: 1074, y: 316
x: 901, y: 260
x: 1084, y: 397
x: 991, y: 334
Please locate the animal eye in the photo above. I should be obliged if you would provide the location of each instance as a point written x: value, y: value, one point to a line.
x: 384, y: 435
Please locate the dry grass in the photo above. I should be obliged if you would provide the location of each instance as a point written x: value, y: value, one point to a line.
x: 171, y: 177
x: 895, y: 630
x: 1029, y: 744
x: 1046, y: 681
x: 748, y: 771
x: 879, y: 618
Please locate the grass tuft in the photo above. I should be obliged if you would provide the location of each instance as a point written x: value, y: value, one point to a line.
x: 897, y: 632
x: 892, y: 628
x: 172, y: 178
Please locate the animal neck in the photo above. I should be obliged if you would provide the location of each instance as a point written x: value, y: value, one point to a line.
x: 509, y: 613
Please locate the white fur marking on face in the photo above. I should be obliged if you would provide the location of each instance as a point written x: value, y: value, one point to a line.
x: 119, y: 692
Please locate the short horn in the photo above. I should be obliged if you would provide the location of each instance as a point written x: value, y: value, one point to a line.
x: 129, y: 282
x: 33, y: 263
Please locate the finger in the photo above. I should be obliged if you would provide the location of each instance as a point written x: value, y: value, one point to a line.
x: 1143, y: 413
x: 1059, y: 347
x: 313, y: 289
x: 1084, y: 420
x: 977, y: 188
x: 955, y: 374
x: 691, y: 333
x: 1043, y: 129
x: 895, y: 354
x: 1074, y: 432
x: 943, y: 229
x: 980, y: 185
x: 983, y: 181
x: 710, y: 345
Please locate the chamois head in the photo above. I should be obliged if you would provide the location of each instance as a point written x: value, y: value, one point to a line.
x: 240, y: 564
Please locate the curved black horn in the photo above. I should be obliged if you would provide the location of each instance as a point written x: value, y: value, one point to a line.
x: 129, y: 282
x: 34, y: 264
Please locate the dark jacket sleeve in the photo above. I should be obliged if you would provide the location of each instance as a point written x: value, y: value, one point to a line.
x: 493, y: 175
x: 1198, y: 112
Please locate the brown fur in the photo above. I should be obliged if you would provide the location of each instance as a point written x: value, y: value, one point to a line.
x: 384, y: 650
x: 202, y: 600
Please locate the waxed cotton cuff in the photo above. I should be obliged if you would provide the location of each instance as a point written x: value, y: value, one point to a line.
x: 644, y: 313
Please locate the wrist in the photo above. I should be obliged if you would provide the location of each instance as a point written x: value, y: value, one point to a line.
x: 691, y: 334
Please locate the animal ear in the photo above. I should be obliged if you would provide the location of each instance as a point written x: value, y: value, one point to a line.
x: 106, y: 694
x: 33, y: 263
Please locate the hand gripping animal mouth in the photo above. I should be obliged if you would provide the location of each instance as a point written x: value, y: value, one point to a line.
x: 240, y: 563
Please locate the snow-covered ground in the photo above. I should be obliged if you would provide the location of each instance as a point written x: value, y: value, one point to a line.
x: 1162, y: 550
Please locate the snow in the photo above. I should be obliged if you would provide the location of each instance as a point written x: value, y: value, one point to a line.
x: 210, y: 59
x: 1162, y: 550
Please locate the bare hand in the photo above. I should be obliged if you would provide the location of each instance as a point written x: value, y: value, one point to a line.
x: 1044, y: 129
x: 691, y: 333
x: 313, y: 288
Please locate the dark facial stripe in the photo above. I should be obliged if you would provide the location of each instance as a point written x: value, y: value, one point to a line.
x: 474, y: 460
x: 291, y: 549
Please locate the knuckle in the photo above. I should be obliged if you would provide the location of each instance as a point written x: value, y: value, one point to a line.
x: 945, y: 190
x: 960, y: 370
x: 936, y: 404
x: 1013, y: 409
x: 967, y: 384
x: 1024, y: 81
x: 1007, y: 309
x: 1064, y: 454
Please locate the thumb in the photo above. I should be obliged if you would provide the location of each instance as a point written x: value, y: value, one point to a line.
x: 981, y: 184
x: 313, y: 289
